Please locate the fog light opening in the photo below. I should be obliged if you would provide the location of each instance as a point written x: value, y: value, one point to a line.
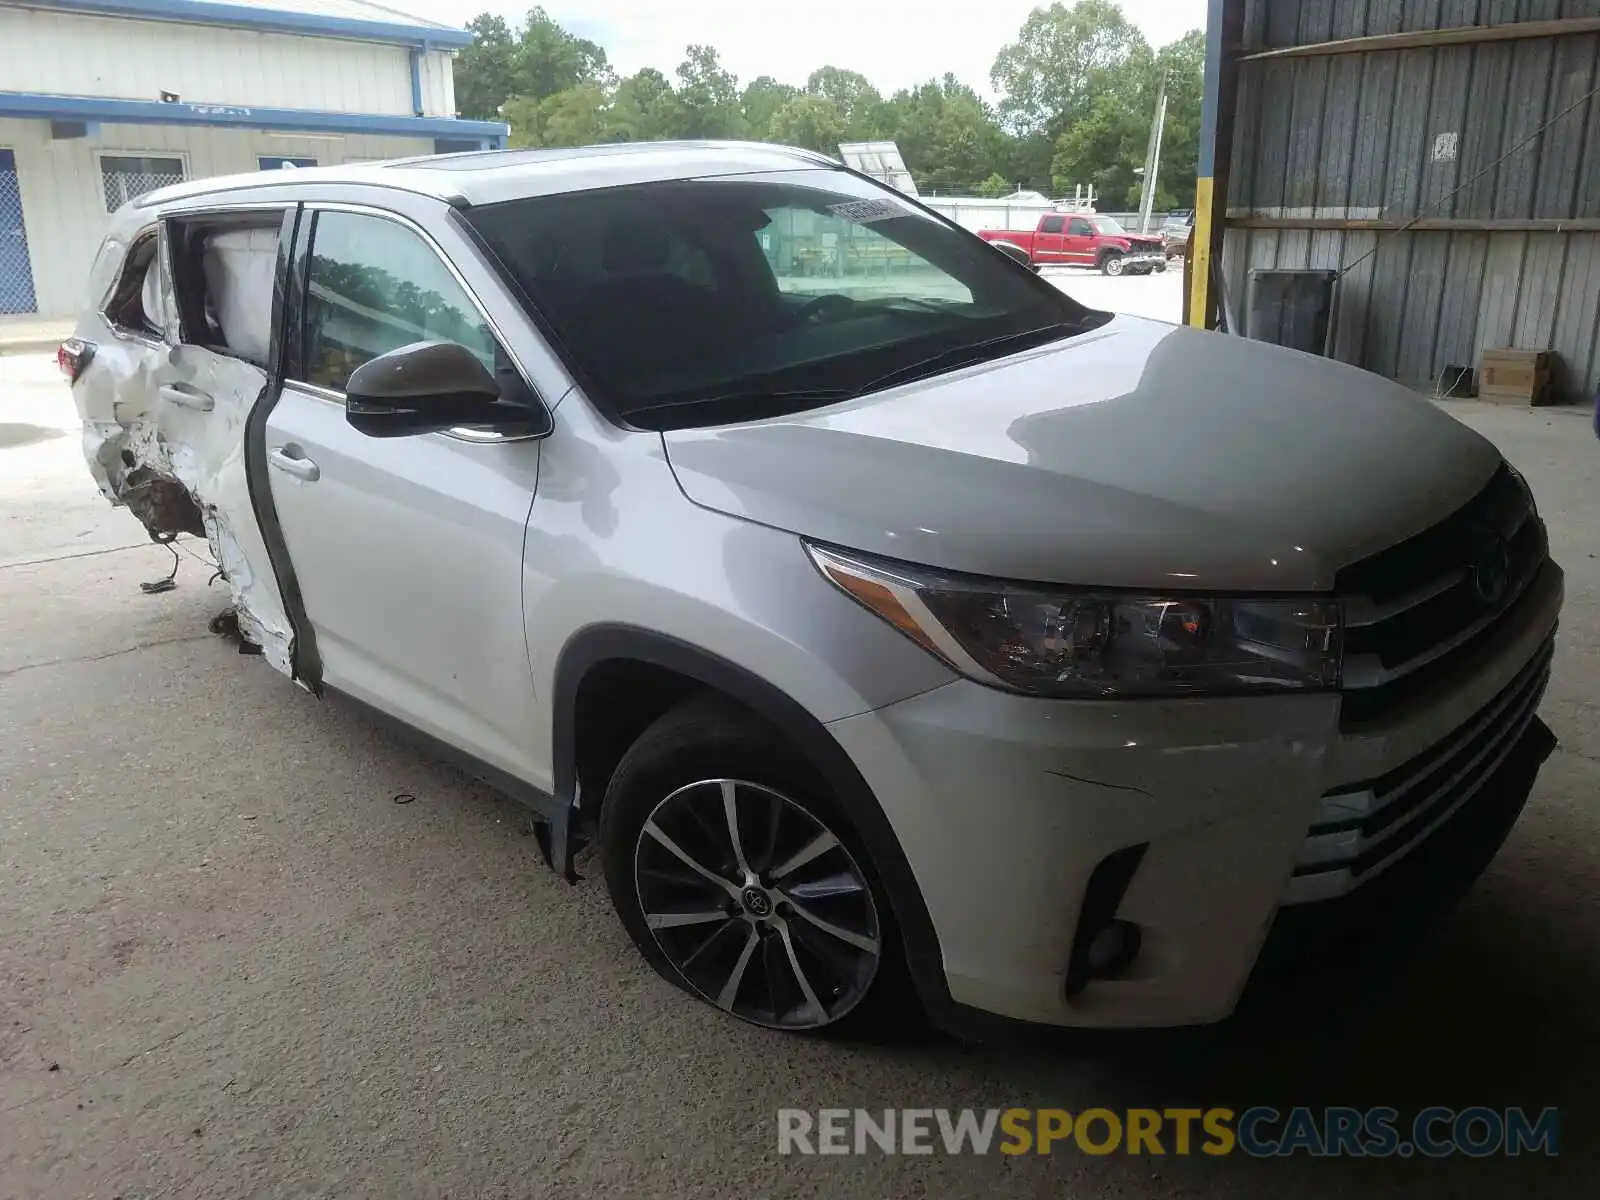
x: 1112, y: 950
x: 1104, y: 946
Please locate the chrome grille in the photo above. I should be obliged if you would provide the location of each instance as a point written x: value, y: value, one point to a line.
x: 1360, y: 829
x: 1411, y: 609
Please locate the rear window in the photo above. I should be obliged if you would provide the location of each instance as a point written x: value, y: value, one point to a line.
x: 708, y: 301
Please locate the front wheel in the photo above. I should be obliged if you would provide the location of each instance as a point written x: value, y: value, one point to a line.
x: 739, y: 879
x: 1112, y: 264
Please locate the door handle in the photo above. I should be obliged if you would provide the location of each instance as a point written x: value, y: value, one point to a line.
x: 300, y: 468
x: 186, y: 397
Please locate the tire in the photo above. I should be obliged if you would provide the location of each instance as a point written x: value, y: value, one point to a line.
x: 746, y: 943
x: 1160, y: 268
x: 1111, y: 264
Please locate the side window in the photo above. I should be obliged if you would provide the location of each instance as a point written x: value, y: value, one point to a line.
x: 135, y: 302
x: 1050, y: 225
x: 1081, y: 227
x: 223, y: 271
x: 375, y: 286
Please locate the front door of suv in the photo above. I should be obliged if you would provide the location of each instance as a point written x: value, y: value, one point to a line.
x: 1049, y: 245
x: 407, y: 550
x: 1080, y: 242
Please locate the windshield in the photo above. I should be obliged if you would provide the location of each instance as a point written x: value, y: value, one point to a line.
x: 1109, y: 225
x: 699, y: 302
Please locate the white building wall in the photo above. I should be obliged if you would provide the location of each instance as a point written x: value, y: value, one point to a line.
x: 78, y: 55
x: 63, y: 201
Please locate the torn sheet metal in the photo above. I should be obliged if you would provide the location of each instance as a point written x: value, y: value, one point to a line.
x: 164, y: 435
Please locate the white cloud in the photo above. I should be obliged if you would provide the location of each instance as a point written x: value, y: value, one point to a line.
x: 895, y: 43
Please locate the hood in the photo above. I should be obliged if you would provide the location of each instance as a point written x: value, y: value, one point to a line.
x: 1135, y: 455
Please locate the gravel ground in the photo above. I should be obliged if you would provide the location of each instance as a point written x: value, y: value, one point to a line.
x: 232, y: 965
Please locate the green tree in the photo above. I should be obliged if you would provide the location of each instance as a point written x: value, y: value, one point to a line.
x: 1184, y: 64
x: 760, y: 102
x: 576, y: 117
x: 710, y: 96
x: 1079, y: 89
x: 995, y: 186
x: 810, y: 121
x: 645, y: 108
x: 1063, y: 57
x: 547, y: 59
x: 947, y: 134
x: 857, y: 102
x: 527, y: 124
x: 484, y: 71
x: 1106, y: 146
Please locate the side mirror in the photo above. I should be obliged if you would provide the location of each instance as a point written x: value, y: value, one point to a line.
x: 423, y: 388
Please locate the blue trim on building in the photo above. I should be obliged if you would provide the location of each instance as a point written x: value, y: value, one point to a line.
x: 416, y: 80
x: 154, y: 112
x: 205, y: 12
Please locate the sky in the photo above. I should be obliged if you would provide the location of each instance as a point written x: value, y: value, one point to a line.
x: 894, y: 43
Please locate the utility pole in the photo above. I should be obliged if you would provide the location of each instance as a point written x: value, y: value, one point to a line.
x: 1147, y: 198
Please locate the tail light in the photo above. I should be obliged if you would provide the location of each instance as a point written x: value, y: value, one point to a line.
x: 73, y: 356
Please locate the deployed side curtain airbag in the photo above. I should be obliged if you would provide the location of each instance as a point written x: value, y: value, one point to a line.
x: 239, y: 265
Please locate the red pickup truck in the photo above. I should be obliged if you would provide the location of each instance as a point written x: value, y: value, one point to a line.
x: 1081, y: 240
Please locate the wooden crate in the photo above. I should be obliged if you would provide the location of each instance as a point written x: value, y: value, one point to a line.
x: 1514, y: 376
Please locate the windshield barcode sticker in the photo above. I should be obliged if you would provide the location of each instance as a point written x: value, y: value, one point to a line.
x: 864, y: 212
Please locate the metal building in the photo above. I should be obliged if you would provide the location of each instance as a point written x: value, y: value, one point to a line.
x: 1443, y: 155
x: 101, y: 100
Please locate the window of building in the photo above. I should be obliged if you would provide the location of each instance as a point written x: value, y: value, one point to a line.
x: 125, y: 176
x: 375, y: 286
x: 276, y: 162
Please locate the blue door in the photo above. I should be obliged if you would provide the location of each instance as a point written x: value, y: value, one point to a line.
x: 16, y: 271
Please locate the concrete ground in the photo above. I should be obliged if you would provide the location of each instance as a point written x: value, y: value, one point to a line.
x: 1159, y: 297
x: 231, y: 964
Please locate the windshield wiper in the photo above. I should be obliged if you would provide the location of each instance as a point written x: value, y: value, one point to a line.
x: 963, y: 355
x: 796, y: 398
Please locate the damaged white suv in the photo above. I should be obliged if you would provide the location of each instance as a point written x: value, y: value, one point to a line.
x: 901, y: 630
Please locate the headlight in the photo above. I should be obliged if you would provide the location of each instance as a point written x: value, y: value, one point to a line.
x: 1088, y: 644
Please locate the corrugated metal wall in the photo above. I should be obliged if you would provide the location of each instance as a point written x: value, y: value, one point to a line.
x: 75, y: 55
x: 1389, y: 135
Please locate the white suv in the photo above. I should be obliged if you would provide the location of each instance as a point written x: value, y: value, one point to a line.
x: 885, y: 616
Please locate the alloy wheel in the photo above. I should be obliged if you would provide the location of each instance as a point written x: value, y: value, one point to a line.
x: 757, y: 904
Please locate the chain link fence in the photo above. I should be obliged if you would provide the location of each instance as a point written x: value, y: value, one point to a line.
x: 16, y: 275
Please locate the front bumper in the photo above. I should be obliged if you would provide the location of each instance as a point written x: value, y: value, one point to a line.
x: 1005, y: 805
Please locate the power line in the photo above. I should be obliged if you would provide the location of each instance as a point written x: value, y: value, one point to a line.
x: 1450, y: 195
